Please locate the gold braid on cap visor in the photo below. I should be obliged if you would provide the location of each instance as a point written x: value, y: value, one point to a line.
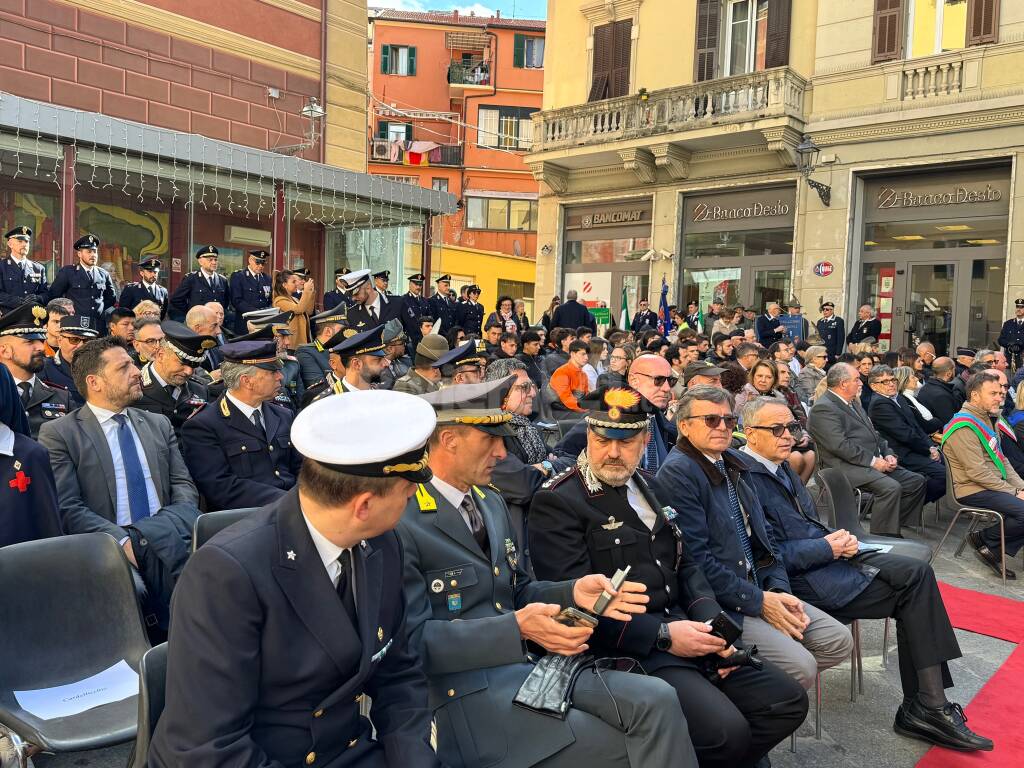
x: 393, y: 468
x: 471, y: 417
x: 637, y: 425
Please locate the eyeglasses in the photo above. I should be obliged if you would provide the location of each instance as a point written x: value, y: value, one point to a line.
x: 714, y: 420
x: 660, y: 381
x: 778, y: 430
x: 525, y: 387
x: 885, y: 381
x: 148, y: 341
x: 74, y: 341
x: 619, y: 357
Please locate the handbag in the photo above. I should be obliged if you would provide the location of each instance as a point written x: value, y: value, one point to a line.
x: 548, y: 687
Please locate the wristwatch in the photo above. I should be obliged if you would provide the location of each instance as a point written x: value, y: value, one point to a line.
x: 664, y: 641
x: 548, y: 467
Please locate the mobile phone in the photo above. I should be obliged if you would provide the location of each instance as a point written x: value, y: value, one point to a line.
x: 724, y: 627
x: 573, y: 617
x: 606, y: 597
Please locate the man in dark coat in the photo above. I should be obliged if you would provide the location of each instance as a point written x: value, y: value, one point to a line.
x: 338, y: 296
x: 768, y: 327
x: 306, y: 595
x: 414, y: 306
x: 371, y: 307
x: 88, y: 285
x: 469, y: 315
x: 238, y: 449
x: 443, y: 306
x: 832, y: 569
x: 1011, y: 336
x: 249, y: 289
x: 147, y: 288
x: 867, y: 326
x: 938, y: 393
x: 21, y: 279
x: 601, y: 515
x: 313, y: 358
x: 572, y: 314
x: 644, y: 319
x: 202, y: 286
x: 75, y: 330
x: 832, y: 330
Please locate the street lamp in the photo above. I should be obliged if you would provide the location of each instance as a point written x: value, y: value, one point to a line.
x: 806, y: 160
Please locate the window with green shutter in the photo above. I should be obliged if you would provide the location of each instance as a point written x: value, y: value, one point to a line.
x: 528, y: 52
x: 385, y: 59
x: 519, y: 51
x: 398, y: 60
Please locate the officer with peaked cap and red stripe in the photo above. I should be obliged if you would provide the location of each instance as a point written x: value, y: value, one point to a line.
x: 21, y: 279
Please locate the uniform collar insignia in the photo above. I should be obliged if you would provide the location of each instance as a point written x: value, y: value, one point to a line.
x: 590, y: 481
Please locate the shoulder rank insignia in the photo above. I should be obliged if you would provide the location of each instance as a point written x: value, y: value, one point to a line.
x: 425, y: 500
x: 556, y: 479
x: 510, y: 554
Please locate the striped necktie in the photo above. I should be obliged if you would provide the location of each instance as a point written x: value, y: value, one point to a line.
x: 737, y: 518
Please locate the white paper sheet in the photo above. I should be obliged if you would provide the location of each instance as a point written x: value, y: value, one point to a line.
x: 116, y: 683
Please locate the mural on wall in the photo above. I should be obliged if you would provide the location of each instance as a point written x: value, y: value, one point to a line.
x: 41, y: 213
x: 125, y: 234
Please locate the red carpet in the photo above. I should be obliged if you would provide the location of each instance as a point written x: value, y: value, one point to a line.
x: 995, y: 711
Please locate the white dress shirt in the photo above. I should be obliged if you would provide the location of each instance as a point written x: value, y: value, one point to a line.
x: 109, y: 427
x: 454, y: 497
x: 329, y: 553
x: 162, y: 383
x: 247, y: 410
x: 638, y: 502
x: 6, y: 440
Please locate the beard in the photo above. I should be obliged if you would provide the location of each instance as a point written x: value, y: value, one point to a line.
x: 36, y: 362
x: 614, y: 472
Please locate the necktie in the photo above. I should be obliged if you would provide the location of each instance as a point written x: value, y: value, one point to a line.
x: 651, y: 451
x: 171, y: 391
x: 373, y: 312
x: 257, y: 421
x: 476, y: 523
x: 784, y: 479
x: 26, y: 392
x: 345, y: 587
x: 138, y: 500
x: 737, y: 518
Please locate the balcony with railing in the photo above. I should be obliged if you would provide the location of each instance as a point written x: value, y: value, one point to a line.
x: 393, y: 151
x: 463, y: 73
x: 773, y: 93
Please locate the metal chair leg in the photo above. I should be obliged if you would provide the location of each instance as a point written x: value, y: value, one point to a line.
x: 817, y: 706
x: 1002, y: 549
x: 860, y: 658
x: 792, y: 742
x: 885, y: 644
x: 967, y: 534
x: 942, y: 541
x: 853, y: 666
x: 13, y: 751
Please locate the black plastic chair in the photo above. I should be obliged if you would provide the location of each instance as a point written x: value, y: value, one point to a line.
x: 209, y: 524
x: 69, y: 612
x: 152, y: 687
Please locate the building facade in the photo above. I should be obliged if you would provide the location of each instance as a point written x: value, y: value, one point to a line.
x: 694, y: 168
x: 452, y: 101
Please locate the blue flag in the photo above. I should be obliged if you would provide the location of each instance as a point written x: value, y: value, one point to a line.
x: 664, y: 316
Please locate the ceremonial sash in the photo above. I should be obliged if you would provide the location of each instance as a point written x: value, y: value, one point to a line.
x: 1004, y: 427
x: 983, y: 432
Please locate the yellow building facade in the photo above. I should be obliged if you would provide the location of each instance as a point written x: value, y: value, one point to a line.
x: 695, y: 168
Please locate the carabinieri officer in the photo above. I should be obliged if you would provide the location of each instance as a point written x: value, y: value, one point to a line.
x: 202, y: 286
x: 21, y: 279
x: 249, y: 289
x: 88, y: 285
x: 284, y: 622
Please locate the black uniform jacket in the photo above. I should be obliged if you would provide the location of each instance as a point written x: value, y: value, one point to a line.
x: 57, y: 372
x: 194, y: 289
x: 92, y: 296
x: 266, y: 669
x: 28, y: 496
x: 576, y: 530
x: 444, y: 308
x: 155, y: 399
x: 46, y: 402
x: 133, y: 293
x: 18, y: 282
x: 247, y: 292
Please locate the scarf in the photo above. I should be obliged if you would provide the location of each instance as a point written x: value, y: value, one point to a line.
x: 988, y: 438
x: 530, y: 442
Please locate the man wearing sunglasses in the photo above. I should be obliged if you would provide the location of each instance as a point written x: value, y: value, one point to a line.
x: 830, y: 568
x: 724, y: 525
x: 75, y: 330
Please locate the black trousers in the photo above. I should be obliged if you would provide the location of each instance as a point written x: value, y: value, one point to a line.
x: 905, y: 590
x: 736, y: 721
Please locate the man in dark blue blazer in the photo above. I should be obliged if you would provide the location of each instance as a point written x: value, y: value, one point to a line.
x: 282, y: 623
x: 249, y: 289
x: 88, y: 285
x: 832, y: 569
x: 238, y: 449
x: 767, y: 326
x: 147, y: 288
x: 21, y: 279
x: 725, y: 527
x: 75, y: 330
x: 202, y: 286
x: 572, y: 314
x: 832, y: 330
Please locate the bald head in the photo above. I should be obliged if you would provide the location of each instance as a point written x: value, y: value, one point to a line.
x: 201, y: 320
x: 642, y: 373
x: 943, y: 368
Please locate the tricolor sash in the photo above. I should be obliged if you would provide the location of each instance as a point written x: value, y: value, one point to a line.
x: 988, y: 438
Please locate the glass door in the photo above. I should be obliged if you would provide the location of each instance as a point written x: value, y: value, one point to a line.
x: 770, y: 285
x: 707, y: 285
x: 928, y: 312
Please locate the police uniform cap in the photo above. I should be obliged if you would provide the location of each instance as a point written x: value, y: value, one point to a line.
x: 207, y: 250
x: 189, y: 346
x: 473, y: 289
x: 338, y: 314
x: 384, y: 274
x: 828, y: 304
x: 150, y: 262
x: 340, y: 336
x: 341, y: 271
x: 1019, y: 302
x: 19, y: 233
x: 616, y: 413
x: 393, y: 331
x: 382, y: 434
x: 88, y: 241
x: 701, y: 368
x: 430, y: 349
x: 26, y: 321
x: 444, y: 279
x: 79, y: 325
x: 794, y: 302
x: 269, y: 322
x: 355, y: 279
x: 260, y: 315
x: 474, y: 405
x: 302, y: 272
x: 369, y: 342
x: 263, y: 333
x: 966, y: 352
x: 418, y: 278
x: 262, y: 354
x: 464, y: 354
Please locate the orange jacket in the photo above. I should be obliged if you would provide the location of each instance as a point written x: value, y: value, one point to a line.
x: 567, y: 381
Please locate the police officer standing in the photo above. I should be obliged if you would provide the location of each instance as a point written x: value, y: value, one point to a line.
x: 202, y: 286
x: 21, y: 279
x: 832, y: 330
x: 443, y: 306
x: 147, y: 288
x: 75, y: 330
x: 249, y: 289
x: 22, y: 333
x: 1011, y: 337
x: 88, y: 285
x: 644, y: 319
x: 305, y: 598
x: 169, y: 385
x: 339, y: 294
x: 381, y: 280
x: 414, y: 306
x: 470, y: 313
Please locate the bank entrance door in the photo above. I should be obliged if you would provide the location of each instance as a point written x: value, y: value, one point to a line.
x: 756, y: 284
x: 932, y: 297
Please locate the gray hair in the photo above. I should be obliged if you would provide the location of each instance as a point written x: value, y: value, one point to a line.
x: 984, y: 355
x: 753, y: 407
x: 503, y: 368
x: 814, y: 351
x: 840, y: 373
x: 200, y: 314
x: 878, y: 372
x: 703, y: 393
x: 903, y: 374
x: 869, y: 308
x: 141, y: 322
x: 232, y: 373
x: 571, y: 295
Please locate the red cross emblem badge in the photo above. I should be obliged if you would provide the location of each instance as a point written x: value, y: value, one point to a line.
x: 21, y: 481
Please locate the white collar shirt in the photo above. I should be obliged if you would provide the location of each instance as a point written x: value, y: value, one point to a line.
x: 453, y: 496
x: 162, y: 383
x: 329, y: 553
x: 647, y: 514
x: 6, y: 440
x: 109, y: 427
x: 246, y: 409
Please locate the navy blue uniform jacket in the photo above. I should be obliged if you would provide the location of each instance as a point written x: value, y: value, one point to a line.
x: 133, y: 293
x: 697, y: 490
x: 28, y: 495
x: 265, y: 667
x: 92, y: 297
x: 194, y: 289
x: 247, y: 293
x: 56, y: 371
x: 16, y: 286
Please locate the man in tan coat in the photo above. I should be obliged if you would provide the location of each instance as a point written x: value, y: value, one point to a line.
x: 982, y: 475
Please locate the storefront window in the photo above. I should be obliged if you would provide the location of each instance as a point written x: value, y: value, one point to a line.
x: 606, y: 251
x: 769, y: 242
x: 935, y: 233
x: 770, y: 286
x: 707, y: 285
x: 986, y: 313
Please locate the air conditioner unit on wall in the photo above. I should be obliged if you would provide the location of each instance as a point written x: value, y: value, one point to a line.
x: 247, y: 236
x: 381, y: 151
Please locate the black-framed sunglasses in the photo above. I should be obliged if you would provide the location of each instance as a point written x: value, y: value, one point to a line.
x: 714, y: 420
x: 778, y: 430
x: 659, y: 381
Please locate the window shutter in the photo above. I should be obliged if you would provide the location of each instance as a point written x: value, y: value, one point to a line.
x: 487, y: 122
x: 408, y: 131
x: 525, y: 133
x: 602, y: 62
x: 519, y: 51
x: 382, y: 129
x: 618, y: 78
x: 412, y: 61
x: 385, y: 59
x: 982, y: 21
x: 888, y: 42
x: 777, y: 37
x: 706, y: 58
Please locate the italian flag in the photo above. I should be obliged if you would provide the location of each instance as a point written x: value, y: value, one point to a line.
x: 624, y: 314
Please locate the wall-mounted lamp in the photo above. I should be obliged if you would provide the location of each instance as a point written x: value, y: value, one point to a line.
x: 806, y: 161
x: 642, y: 93
x: 315, y: 113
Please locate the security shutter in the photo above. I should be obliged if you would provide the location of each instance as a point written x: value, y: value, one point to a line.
x: 602, y: 62
x: 888, y: 39
x: 708, y: 21
x: 982, y: 21
x: 777, y: 38
x: 618, y: 78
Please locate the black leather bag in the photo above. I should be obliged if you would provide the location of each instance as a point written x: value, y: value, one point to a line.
x: 548, y: 687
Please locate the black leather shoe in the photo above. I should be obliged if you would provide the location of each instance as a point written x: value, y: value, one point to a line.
x: 944, y: 727
x: 988, y: 556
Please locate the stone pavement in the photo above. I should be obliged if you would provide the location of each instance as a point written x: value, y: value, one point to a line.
x: 854, y: 734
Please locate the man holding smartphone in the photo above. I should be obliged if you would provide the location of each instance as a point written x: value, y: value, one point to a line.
x: 601, y: 516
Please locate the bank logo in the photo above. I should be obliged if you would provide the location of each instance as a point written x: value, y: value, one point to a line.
x: 700, y: 212
x: 706, y: 212
x: 588, y: 221
x: 892, y: 198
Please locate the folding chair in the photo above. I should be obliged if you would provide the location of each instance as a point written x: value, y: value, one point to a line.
x: 70, y: 612
x: 979, y: 516
x: 152, y: 687
x: 209, y: 524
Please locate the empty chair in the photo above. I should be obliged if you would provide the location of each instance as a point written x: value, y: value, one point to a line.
x: 209, y: 524
x: 69, y: 612
x: 152, y: 686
